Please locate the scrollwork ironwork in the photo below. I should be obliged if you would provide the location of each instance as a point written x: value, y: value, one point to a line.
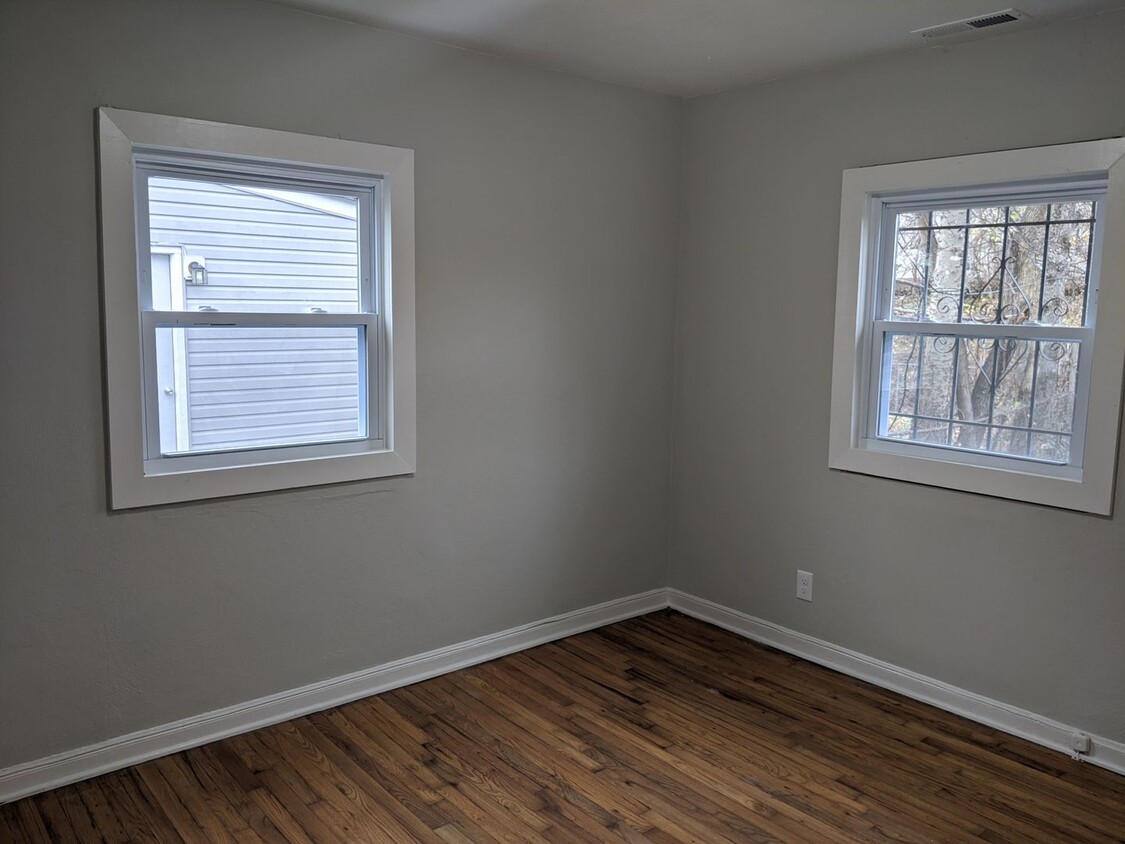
x: 1053, y: 351
x: 983, y: 306
x: 946, y: 307
x: 1054, y: 310
x: 944, y: 344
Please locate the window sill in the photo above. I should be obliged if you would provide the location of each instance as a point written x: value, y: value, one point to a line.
x: 192, y: 484
x: 1024, y: 483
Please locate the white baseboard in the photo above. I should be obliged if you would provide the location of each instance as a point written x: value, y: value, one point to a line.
x: 114, y: 754
x: 1010, y: 719
x: 111, y: 755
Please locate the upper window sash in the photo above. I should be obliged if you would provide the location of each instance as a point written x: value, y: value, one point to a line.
x: 885, y: 209
x: 365, y: 189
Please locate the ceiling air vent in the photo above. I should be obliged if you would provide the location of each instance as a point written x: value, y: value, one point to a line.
x: 942, y: 30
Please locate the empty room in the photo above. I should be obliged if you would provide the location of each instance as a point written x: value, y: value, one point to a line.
x: 562, y: 421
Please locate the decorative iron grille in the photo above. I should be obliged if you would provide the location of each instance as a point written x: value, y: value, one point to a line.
x: 984, y: 326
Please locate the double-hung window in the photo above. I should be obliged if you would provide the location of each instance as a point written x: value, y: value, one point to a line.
x: 979, y: 337
x: 259, y: 308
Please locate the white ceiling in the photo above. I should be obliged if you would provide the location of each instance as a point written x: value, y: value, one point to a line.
x: 686, y: 47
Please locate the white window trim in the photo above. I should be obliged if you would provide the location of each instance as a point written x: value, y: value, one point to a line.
x: 120, y: 134
x: 1090, y: 489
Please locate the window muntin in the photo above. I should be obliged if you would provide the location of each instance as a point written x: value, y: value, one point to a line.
x: 983, y: 313
x: 259, y: 354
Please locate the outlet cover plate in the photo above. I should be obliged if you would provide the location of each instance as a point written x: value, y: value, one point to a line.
x: 804, y: 585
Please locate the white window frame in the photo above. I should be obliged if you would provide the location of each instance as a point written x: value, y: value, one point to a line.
x: 127, y: 140
x: 1085, y: 485
x: 366, y: 190
x: 178, y: 421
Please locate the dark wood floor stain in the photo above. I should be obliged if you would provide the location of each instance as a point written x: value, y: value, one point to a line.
x: 659, y: 729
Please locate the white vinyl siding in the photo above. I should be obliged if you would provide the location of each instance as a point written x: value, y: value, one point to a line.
x: 246, y: 386
x: 262, y: 253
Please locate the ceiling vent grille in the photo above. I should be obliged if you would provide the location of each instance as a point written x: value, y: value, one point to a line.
x: 1004, y: 16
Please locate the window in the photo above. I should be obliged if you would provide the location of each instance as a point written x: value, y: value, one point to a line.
x: 977, y: 346
x: 250, y: 278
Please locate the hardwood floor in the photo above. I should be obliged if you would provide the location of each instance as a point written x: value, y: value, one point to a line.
x: 659, y: 729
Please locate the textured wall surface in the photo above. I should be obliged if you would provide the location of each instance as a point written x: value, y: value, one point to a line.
x: 1017, y: 602
x: 546, y: 214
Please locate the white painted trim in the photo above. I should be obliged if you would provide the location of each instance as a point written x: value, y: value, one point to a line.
x: 1104, y: 752
x: 132, y: 749
x: 116, y: 753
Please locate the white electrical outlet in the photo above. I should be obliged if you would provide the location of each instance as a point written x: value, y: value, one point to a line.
x: 804, y: 585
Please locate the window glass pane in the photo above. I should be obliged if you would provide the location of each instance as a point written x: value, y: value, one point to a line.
x: 990, y: 216
x: 255, y: 248
x: 994, y: 264
x: 911, y: 272
x: 1023, y: 272
x: 1035, y: 213
x: 1054, y: 448
x: 949, y: 216
x: 228, y: 387
x: 943, y: 294
x: 914, y: 219
x: 982, y: 275
x: 1001, y: 396
x: 900, y: 427
x: 1063, y: 211
x: 1065, y: 280
x: 1055, y: 385
x: 902, y: 375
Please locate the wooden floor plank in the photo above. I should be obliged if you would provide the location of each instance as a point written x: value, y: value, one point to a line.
x: 654, y: 730
x: 10, y: 827
x: 25, y: 816
x: 55, y: 821
x: 228, y: 795
x: 366, y: 784
x: 216, y: 816
x: 139, y: 820
x: 338, y: 795
x: 105, y: 818
x: 157, y: 793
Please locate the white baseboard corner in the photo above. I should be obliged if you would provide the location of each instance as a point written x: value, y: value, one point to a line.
x: 1104, y: 752
x: 116, y: 753
x: 111, y: 755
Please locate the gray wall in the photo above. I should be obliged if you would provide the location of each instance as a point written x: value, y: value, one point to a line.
x: 1017, y: 602
x: 547, y: 226
x: 546, y: 214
